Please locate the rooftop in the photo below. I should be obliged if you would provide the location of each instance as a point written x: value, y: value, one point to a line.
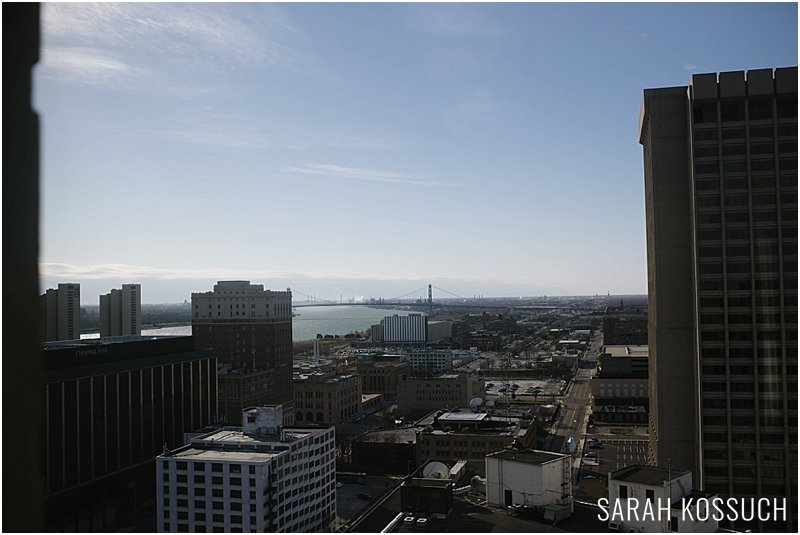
x: 231, y: 444
x: 471, y: 515
x: 527, y: 456
x: 394, y: 436
x: 319, y: 377
x: 627, y: 351
x: 646, y: 475
x: 462, y: 415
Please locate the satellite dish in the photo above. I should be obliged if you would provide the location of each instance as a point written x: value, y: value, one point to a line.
x: 476, y: 402
x: 436, y: 470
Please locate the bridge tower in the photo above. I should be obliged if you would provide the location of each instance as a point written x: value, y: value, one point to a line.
x: 430, y: 300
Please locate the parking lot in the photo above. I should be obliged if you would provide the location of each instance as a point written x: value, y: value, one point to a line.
x: 616, y: 453
x: 527, y: 387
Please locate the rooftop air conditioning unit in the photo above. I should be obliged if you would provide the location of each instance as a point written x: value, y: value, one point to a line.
x: 614, y: 526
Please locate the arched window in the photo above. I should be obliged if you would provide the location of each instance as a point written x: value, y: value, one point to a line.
x: 309, y: 417
x: 299, y: 416
x: 320, y: 417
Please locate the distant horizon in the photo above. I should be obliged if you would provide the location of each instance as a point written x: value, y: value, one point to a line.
x: 176, y: 290
x: 443, y: 299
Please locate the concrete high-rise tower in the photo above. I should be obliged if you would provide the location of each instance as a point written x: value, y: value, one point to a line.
x: 720, y: 166
x: 61, y: 313
x: 121, y: 311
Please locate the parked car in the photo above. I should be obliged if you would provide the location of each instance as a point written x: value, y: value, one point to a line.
x: 591, y: 455
x: 595, y: 446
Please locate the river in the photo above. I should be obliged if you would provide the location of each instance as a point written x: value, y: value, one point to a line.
x: 308, y: 322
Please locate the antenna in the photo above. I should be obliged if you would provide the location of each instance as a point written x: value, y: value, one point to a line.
x: 476, y: 402
x: 436, y: 470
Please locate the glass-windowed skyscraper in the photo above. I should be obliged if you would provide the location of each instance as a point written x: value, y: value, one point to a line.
x: 720, y: 166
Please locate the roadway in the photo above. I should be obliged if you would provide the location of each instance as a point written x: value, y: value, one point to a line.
x: 576, y: 404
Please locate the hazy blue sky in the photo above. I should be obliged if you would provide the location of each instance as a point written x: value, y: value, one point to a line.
x: 364, y: 149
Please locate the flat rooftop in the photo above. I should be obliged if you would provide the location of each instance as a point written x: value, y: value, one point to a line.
x: 223, y: 455
x: 646, y: 475
x: 234, y: 445
x: 463, y: 415
x: 527, y: 456
x: 390, y: 436
x: 627, y: 351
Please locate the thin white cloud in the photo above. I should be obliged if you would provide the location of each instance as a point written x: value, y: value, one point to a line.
x: 90, y: 66
x: 163, y: 40
x: 369, y: 175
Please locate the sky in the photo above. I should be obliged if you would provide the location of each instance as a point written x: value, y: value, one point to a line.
x: 364, y: 150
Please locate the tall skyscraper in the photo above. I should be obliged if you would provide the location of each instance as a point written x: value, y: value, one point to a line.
x: 61, y: 313
x: 121, y: 311
x: 720, y: 167
x: 251, y: 329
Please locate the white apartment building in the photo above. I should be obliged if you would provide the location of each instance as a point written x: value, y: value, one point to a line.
x: 121, y: 311
x: 405, y: 329
x: 61, y: 313
x: 259, y: 478
x: 650, y: 499
x: 529, y: 478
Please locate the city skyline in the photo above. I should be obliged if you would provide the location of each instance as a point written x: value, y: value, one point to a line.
x: 337, y: 149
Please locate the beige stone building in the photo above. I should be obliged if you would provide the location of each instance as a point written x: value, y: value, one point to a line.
x: 326, y: 398
x: 381, y: 377
x: 449, y: 390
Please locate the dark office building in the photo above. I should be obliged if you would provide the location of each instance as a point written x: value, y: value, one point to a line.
x: 720, y: 166
x: 110, y: 407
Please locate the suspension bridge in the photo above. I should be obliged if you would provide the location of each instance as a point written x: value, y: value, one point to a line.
x: 416, y: 299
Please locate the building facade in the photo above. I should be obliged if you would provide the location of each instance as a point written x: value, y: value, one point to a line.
x: 720, y: 166
x: 261, y: 477
x: 121, y: 311
x: 468, y: 435
x: 61, y: 313
x: 251, y: 329
x: 326, y: 398
x: 528, y: 478
x: 419, y: 394
x: 110, y: 407
x: 381, y: 376
x: 622, y: 376
x: 410, y: 329
x: 657, y: 489
x: 429, y: 361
